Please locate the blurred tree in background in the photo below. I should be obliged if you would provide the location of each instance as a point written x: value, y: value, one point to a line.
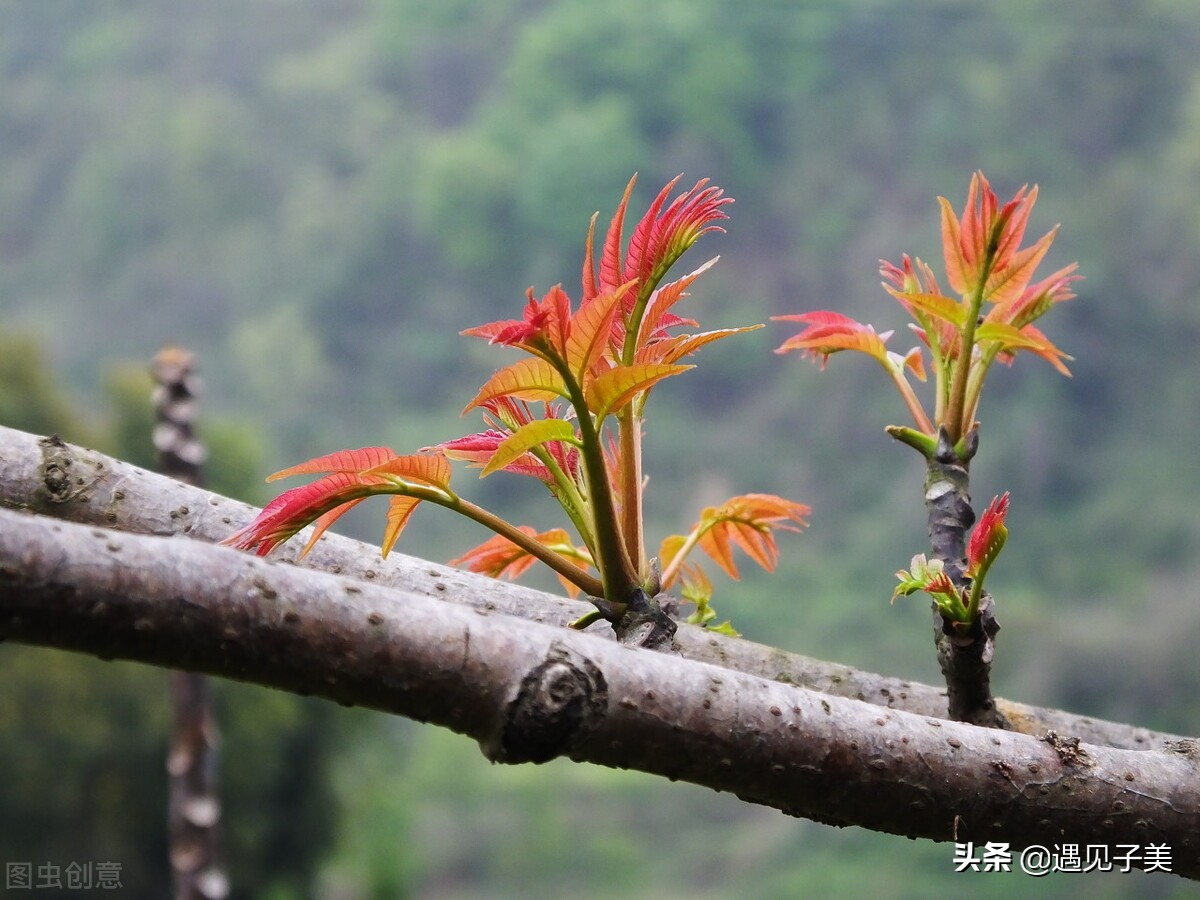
x: 87, y: 740
x: 318, y: 196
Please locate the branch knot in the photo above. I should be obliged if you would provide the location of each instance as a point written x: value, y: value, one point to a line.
x: 559, y: 701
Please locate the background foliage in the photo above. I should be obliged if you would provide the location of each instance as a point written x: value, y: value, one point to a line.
x: 316, y: 197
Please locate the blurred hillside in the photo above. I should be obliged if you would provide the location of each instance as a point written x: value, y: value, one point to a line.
x: 317, y: 197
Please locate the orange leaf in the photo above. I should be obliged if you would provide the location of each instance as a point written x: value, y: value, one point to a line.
x: 543, y: 324
x: 668, y: 550
x: 610, y: 260
x: 400, y: 511
x: 1008, y: 283
x: 674, y: 348
x: 823, y: 345
x: 1008, y: 337
x: 914, y: 361
x: 341, y: 461
x: 321, y: 525
x: 530, y: 435
x: 488, y: 331
x: 757, y: 543
x: 1037, y: 299
x: 1016, y: 212
x: 681, y: 224
x: 571, y: 588
x: 989, y: 535
x: 1047, y: 350
x: 747, y: 521
x: 666, y: 297
x: 640, y: 258
x: 975, y: 224
x: 292, y: 510
x: 589, y: 262
x: 616, y: 387
x: 427, y: 468
x: 937, y: 305
x: 501, y: 558
x: 958, y: 272
x: 591, y: 327
x: 529, y: 379
x: 715, y: 542
x: 498, y: 557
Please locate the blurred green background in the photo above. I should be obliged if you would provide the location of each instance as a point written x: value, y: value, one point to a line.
x: 316, y: 197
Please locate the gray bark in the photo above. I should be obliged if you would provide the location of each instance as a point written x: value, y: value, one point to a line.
x: 529, y: 692
x: 67, y: 482
x: 964, y: 652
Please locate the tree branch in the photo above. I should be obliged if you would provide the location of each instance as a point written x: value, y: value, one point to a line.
x: 47, y: 476
x: 528, y: 693
x: 964, y: 653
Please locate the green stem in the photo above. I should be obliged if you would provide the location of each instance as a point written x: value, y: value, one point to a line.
x: 956, y: 423
x: 938, y: 364
x: 689, y: 544
x: 972, y: 611
x: 631, y: 487
x: 958, y: 385
x: 556, y: 561
x: 633, y: 325
x: 923, y: 443
x: 915, y: 409
x: 574, y: 506
x: 630, y: 431
x: 616, y: 573
x: 588, y: 618
x: 975, y: 384
x: 977, y: 582
x: 939, y: 410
